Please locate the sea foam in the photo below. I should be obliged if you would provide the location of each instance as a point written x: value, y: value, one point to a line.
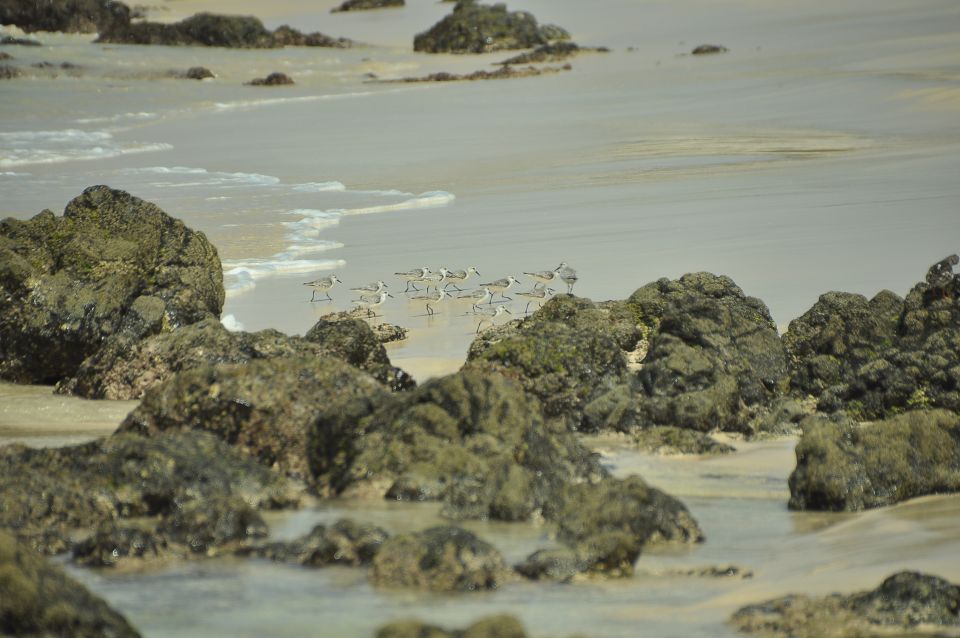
x: 21, y: 148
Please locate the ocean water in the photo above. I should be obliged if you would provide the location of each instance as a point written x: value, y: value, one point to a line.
x: 820, y: 153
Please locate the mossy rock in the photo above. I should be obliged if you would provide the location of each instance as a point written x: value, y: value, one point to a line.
x: 479, y: 28
x: 346, y: 542
x: 499, y: 626
x: 82, y: 16
x: 670, y: 440
x: 366, y: 5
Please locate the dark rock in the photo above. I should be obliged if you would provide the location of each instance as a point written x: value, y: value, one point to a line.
x: 501, y: 626
x: 441, y: 558
x: 84, y: 16
x: 903, y: 602
x: 474, y: 440
x: 208, y: 525
x: 48, y: 494
x: 503, y: 73
x: 346, y: 542
x: 552, y: 52
x: 8, y: 72
x: 478, y: 28
x: 112, y: 543
x: 715, y: 358
x: 274, y: 79
x: 286, y: 36
x: 39, y: 599
x: 708, y: 49
x: 113, y: 268
x: 26, y: 42
x: 606, y: 554
x: 843, y: 466
x: 364, y: 5
x: 5, y: 56
x: 567, y: 353
x: 43, y: 65
x: 198, y: 73
x: 269, y: 409
x: 354, y: 341
x: 672, y: 440
x: 783, y: 417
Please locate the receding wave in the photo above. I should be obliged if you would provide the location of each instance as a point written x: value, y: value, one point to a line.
x: 242, y: 275
x: 119, y: 117
x: 271, y: 101
x: 319, y: 187
x: 203, y: 177
x: 22, y: 148
x: 431, y: 199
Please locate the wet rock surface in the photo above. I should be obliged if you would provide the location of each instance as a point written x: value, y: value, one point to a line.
x: 552, y: 52
x: 354, y: 341
x: 269, y: 409
x: 479, y: 28
x: 346, y: 542
x: 503, y: 73
x: 844, y: 466
x: 670, y: 440
x: 443, y: 558
x: 274, y: 79
x: 39, y: 599
x: 47, y: 495
x: 366, y: 5
x: 84, y: 16
x: 905, y: 604
x: 709, y: 49
x: 112, y: 268
x: 9, y: 40
x: 500, y: 626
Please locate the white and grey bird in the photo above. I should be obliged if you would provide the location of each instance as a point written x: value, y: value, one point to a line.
x: 410, y: 276
x: 501, y: 285
x: 371, y: 289
x: 496, y: 313
x: 323, y: 285
x: 567, y: 275
x: 371, y: 302
x: 477, y: 297
x: 455, y: 277
x: 434, y: 279
x: 536, y: 294
x: 431, y: 298
x: 542, y: 277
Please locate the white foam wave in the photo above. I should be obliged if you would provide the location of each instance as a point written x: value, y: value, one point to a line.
x: 241, y: 275
x: 231, y: 323
x: 119, y: 117
x: 21, y: 148
x: 310, y: 223
x: 209, y: 178
x: 431, y: 199
x: 252, y: 104
x: 13, y: 174
x: 319, y: 187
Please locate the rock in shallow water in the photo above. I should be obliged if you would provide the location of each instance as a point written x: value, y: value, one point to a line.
x: 479, y: 28
x: 501, y: 626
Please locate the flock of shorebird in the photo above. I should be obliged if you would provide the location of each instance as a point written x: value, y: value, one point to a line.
x: 442, y: 281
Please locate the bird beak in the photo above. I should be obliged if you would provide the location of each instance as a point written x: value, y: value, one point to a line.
x: 507, y: 310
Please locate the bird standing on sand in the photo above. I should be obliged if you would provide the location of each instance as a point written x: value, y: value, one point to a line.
x: 455, y: 277
x: 481, y: 296
x: 370, y: 289
x: 434, y: 279
x: 536, y: 293
x: 417, y: 274
x: 542, y: 277
x: 567, y: 275
x: 322, y: 285
x: 371, y: 302
x: 431, y: 298
x: 501, y: 285
x: 496, y: 313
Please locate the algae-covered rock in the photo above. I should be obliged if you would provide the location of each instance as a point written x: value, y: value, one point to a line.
x: 268, y: 408
x: 567, y: 354
x: 83, y: 16
x: 715, y: 358
x: 605, y: 554
x: 671, y: 440
x: 346, y: 542
x: 905, y: 604
x: 113, y: 542
x: 48, y: 494
x: 499, y: 626
x: 366, y: 5
x: 443, y: 558
x: 476, y: 441
x: 843, y: 466
x: 552, y: 52
x: 39, y: 599
x: 113, y: 267
x: 354, y: 341
x: 274, y: 79
x: 479, y: 28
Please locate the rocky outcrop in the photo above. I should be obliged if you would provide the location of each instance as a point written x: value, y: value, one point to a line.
x: 902, y: 605
x: 365, y: 5
x: 39, y: 599
x: 552, y: 52
x: 83, y: 16
x: 173, y: 481
x: 215, y: 30
x: 843, y: 466
x: 715, y: 359
x: 346, y: 542
x: 444, y: 558
x: 273, y: 79
x: 269, y: 409
x: 478, y: 28
x: 472, y: 440
x: 501, y: 626
x: 112, y: 268
x: 354, y: 341
x: 875, y: 359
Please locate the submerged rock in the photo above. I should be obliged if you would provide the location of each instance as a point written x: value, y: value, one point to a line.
x: 843, y: 466
x: 899, y: 606
x: 709, y: 49
x: 113, y: 542
x: 39, y: 599
x: 9, y: 72
x: 26, y: 42
x: 346, y: 542
x: 274, y: 79
x: 365, y: 5
x: 268, y: 408
x: 503, y: 73
x: 47, y: 495
x: 441, y: 558
x: 501, y: 626
x: 552, y: 52
x: 206, y: 526
x: 479, y: 28
x: 671, y: 440
x: 83, y: 16
x: 197, y: 73
x: 113, y: 268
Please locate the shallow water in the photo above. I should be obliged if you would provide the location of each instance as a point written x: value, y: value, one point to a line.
x: 820, y: 153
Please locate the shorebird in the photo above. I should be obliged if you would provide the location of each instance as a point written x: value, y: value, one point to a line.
x: 477, y: 297
x: 434, y: 279
x: 567, y: 275
x: 501, y: 285
x: 496, y: 313
x: 371, y: 289
x: 536, y: 293
x: 431, y: 298
x: 417, y: 274
x: 542, y: 277
x: 459, y: 276
x: 322, y: 285
x: 371, y: 302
